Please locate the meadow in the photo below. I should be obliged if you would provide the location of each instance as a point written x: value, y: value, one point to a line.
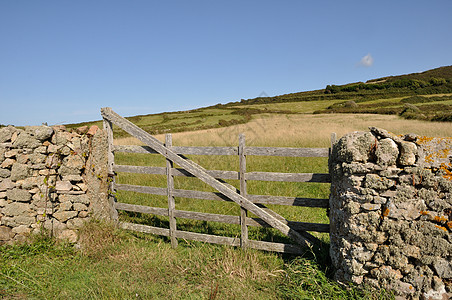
x: 110, y: 263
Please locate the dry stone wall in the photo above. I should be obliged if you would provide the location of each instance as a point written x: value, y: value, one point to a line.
x: 391, y: 212
x: 52, y: 180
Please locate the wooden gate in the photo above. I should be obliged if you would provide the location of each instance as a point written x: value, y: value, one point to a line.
x: 255, y: 204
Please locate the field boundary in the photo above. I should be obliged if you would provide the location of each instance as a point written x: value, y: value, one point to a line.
x: 255, y: 204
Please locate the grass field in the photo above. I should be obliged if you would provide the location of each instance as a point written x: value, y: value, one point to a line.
x: 109, y: 263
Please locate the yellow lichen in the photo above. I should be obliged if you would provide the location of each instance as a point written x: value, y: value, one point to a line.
x: 424, y: 213
x: 440, y: 219
x: 449, y: 224
x: 441, y: 227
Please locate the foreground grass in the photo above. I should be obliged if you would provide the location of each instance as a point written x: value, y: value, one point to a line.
x: 108, y: 263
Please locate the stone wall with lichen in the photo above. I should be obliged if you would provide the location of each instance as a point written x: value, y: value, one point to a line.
x: 391, y: 212
x: 51, y: 180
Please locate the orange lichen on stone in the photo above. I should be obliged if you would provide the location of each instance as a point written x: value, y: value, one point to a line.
x: 440, y: 219
x: 441, y: 227
x: 449, y: 224
x: 423, y: 139
x: 385, y: 212
x: 423, y: 212
x: 448, y: 174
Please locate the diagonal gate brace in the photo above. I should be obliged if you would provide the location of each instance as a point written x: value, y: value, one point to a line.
x: 200, y: 173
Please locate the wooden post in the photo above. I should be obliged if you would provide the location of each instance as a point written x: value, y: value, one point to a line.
x: 333, y: 139
x: 108, y: 127
x: 243, y: 211
x: 170, y: 188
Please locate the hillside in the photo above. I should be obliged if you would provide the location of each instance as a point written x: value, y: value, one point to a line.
x: 425, y: 96
x: 435, y: 81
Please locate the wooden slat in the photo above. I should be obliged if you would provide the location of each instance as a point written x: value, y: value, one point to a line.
x: 141, y: 189
x: 142, y: 209
x: 276, y: 247
x: 291, y: 152
x: 140, y: 169
x: 134, y: 149
x: 200, y: 195
x: 206, y: 150
x: 176, y: 171
x: 193, y: 168
x: 179, y: 150
x: 292, y: 201
x: 207, y: 217
x: 208, y: 238
x: 289, y: 177
x: 261, y: 176
x: 258, y: 151
x: 299, y: 226
x: 263, y: 199
x: 144, y: 228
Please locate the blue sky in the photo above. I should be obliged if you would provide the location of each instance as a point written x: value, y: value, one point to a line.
x: 61, y: 61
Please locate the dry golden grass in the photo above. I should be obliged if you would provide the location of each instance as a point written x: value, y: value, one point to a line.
x: 301, y: 130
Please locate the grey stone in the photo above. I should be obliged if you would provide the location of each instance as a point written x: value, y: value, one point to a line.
x: 61, y: 138
x: 41, y: 150
x: 4, y: 173
x: 6, y: 133
x: 83, y: 214
x: 7, y: 163
x: 80, y: 207
x: 63, y: 216
x: 355, y: 147
x: 12, y: 153
x: 370, y: 206
x: 6, y: 233
x: 25, y: 140
x: 75, y: 198
x: 43, y: 133
x: 63, y: 186
x: 65, y: 206
x: 19, y: 172
x: 443, y: 268
x: 30, y: 182
x: 386, y: 152
x: 16, y: 209
x: 373, y: 181
x: 21, y: 229
x: 38, y: 158
x: 68, y: 235
x: 2, y: 154
x: 6, y: 184
x: 382, y: 133
x: 52, y: 161
x: 18, y: 195
x: 75, y: 178
x: 74, y: 162
x: 408, y: 153
x: 53, y: 148
x: 75, y: 223
x: 23, y: 158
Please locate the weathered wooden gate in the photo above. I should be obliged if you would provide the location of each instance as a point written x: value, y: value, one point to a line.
x: 255, y: 204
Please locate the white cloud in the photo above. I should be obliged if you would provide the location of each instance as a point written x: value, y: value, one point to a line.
x: 367, y: 61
